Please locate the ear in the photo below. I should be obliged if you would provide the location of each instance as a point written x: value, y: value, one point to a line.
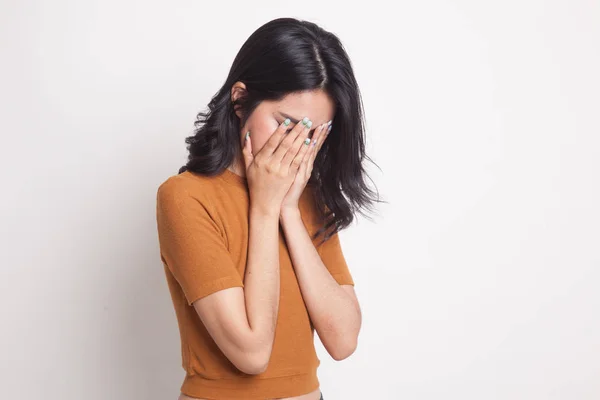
x: 238, y: 91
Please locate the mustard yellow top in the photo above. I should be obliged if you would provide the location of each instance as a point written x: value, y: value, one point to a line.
x: 203, y: 234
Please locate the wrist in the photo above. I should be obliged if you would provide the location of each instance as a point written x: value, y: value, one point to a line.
x: 261, y: 212
x: 289, y: 212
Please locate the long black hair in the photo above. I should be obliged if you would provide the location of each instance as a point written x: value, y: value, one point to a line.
x: 283, y: 56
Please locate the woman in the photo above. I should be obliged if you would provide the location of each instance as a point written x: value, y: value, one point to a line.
x: 248, y: 228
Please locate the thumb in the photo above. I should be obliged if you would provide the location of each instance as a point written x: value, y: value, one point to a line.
x: 247, y: 150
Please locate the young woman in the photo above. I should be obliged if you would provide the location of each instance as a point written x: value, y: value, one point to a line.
x: 248, y: 228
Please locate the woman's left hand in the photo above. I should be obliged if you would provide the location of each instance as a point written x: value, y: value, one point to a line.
x: 291, y: 199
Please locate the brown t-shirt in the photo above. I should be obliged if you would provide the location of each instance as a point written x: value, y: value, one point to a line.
x: 203, y: 235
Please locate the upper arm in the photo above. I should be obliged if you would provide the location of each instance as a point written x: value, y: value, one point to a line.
x: 195, y: 252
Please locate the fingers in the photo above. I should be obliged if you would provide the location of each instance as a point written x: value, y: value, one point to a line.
x: 288, y: 149
x: 269, y: 147
x: 306, y: 165
x: 317, y: 142
x: 289, y: 146
x: 306, y: 155
x: 247, y: 150
x: 297, y: 161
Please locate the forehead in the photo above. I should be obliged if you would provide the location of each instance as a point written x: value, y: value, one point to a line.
x: 316, y: 105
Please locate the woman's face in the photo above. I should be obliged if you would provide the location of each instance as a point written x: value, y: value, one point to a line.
x: 316, y: 105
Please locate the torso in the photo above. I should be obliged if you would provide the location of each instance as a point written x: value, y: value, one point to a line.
x: 293, y: 345
x: 314, y: 395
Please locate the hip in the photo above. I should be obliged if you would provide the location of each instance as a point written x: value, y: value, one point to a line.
x: 308, y: 396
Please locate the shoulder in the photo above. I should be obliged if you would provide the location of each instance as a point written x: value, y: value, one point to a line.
x: 184, y: 187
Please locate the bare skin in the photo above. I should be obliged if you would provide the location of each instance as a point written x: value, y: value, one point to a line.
x: 271, y: 169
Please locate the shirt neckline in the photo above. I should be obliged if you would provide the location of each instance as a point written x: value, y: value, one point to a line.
x: 234, y: 178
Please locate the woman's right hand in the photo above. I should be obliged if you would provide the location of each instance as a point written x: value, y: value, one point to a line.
x: 271, y: 171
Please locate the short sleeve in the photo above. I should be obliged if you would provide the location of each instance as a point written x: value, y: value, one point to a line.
x: 333, y: 257
x: 191, y: 244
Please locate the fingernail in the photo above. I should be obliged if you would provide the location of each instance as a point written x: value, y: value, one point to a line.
x: 305, y: 120
x: 329, y: 123
x: 247, y: 135
x: 286, y: 122
x: 306, y: 141
x: 314, y: 142
x: 329, y: 129
x: 309, y: 124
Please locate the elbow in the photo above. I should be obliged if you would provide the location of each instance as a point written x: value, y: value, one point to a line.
x: 253, y: 363
x: 252, y: 367
x: 340, y: 343
x: 344, y: 350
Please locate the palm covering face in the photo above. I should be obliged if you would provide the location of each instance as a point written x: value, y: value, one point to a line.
x: 279, y: 172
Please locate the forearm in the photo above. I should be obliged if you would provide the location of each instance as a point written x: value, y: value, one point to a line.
x: 334, y: 313
x: 262, y: 281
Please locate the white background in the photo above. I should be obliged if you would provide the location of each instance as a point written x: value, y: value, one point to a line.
x: 479, y: 280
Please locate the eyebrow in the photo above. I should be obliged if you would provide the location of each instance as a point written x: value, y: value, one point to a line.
x: 294, y: 120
